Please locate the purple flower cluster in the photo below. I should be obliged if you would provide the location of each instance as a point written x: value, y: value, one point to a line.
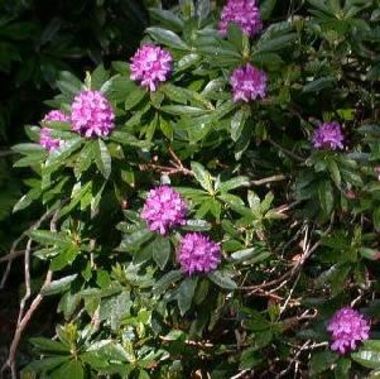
x: 198, y: 254
x: 164, y: 209
x: 328, y: 135
x: 244, y: 13
x: 248, y: 83
x: 46, y: 140
x: 150, y: 66
x: 348, y: 327
x: 92, y: 114
x: 55, y: 115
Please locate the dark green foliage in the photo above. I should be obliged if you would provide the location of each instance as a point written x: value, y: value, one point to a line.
x: 298, y: 227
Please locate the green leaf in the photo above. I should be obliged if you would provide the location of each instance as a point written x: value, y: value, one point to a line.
x: 376, y: 218
x: 35, y: 159
x: 334, y: 171
x: 342, y: 370
x: 367, y: 358
x: 134, y: 98
x: 319, y: 84
x: 166, y: 281
x: 80, y: 192
x: 326, y: 196
x: 133, y: 241
x: 58, y: 286
x: 276, y: 43
x: 102, y: 158
x: 266, y: 8
x: 203, y: 177
x: 72, y: 369
x: 203, y: 9
x: 243, y: 255
x: 27, y: 148
x: 322, y: 361
x: 161, y: 251
x: 185, y: 294
x: 167, y: 18
x: 229, y: 185
x: 166, y: 127
x: 114, y: 309
x: 46, y: 364
x: 237, y: 124
x: 109, y: 350
x: 250, y: 358
x: 183, y: 110
x: 98, y: 77
x: 371, y: 345
x: 167, y: 37
x: 69, y: 84
x: 27, y: 199
x: 187, y: 61
x: 58, y: 156
x: 175, y: 93
x: 64, y: 258
x: 222, y: 279
x: 143, y: 374
x: 47, y: 237
x: 128, y: 139
x: 45, y: 344
x: 197, y: 225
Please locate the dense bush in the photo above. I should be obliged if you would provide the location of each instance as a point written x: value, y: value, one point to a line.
x: 211, y: 208
x: 37, y: 41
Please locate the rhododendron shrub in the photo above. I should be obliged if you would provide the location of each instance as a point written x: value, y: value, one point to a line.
x: 209, y: 206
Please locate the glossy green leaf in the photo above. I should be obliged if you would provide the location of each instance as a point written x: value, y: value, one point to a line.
x: 185, y: 294
x: 222, y: 279
x: 167, y: 37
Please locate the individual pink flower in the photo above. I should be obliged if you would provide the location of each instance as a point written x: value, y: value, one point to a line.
x: 46, y: 140
x: 92, y: 114
x: 348, y: 328
x: 329, y: 135
x: 244, y: 13
x: 164, y: 209
x: 198, y: 254
x: 248, y: 83
x: 151, y: 65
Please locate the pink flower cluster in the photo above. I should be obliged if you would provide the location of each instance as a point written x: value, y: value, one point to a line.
x: 56, y: 115
x: 328, y: 136
x: 150, y: 66
x: 164, y: 209
x: 244, y: 13
x: 198, y: 254
x: 348, y: 328
x: 248, y: 83
x: 92, y: 114
x: 46, y: 140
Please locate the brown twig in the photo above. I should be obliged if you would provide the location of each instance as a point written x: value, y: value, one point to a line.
x: 11, y: 256
x: 176, y: 167
x: 286, y: 151
x: 24, y: 318
x: 11, y: 360
x: 13, y: 253
x: 28, y: 290
x: 270, y: 179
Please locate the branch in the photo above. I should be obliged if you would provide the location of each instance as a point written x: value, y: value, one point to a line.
x: 270, y: 179
x: 11, y: 360
x: 14, y: 253
x: 286, y: 151
x: 176, y: 167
